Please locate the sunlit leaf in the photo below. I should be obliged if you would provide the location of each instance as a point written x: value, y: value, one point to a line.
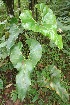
x: 47, y: 26
x: 28, y: 22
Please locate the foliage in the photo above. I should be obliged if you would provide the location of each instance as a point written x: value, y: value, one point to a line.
x: 1, y: 84
x: 51, y: 78
x: 13, y: 47
x: 61, y: 10
x: 14, y: 95
x: 25, y: 66
x: 47, y: 26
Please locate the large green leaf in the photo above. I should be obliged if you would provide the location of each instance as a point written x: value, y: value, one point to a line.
x: 6, y: 45
x: 51, y: 78
x: 56, y: 83
x: 28, y: 22
x: 47, y: 26
x: 25, y: 66
x: 23, y: 82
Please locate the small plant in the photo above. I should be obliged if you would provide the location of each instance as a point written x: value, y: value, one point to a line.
x: 47, y: 27
x: 14, y: 95
x: 1, y: 84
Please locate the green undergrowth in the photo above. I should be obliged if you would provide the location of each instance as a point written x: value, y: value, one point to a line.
x: 48, y: 83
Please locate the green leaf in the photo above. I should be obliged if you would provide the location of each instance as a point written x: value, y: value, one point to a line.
x: 56, y: 83
x: 53, y: 82
x: 2, y: 26
x: 3, y: 50
x: 58, y: 41
x: 23, y: 82
x: 25, y: 66
x: 3, y: 44
x: 61, y: 91
x: 35, y: 51
x: 16, y: 56
x: 1, y: 84
x: 28, y: 22
x: 54, y: 73
x: 14, y: 95
x: 13, y: 20
x: 3, y: 53
x: 47, y: 26
x: 35, y: 98
x: 14, y: 32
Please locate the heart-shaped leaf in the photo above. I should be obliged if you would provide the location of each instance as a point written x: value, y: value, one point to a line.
x: 47, y: 26
x: 25, y: 66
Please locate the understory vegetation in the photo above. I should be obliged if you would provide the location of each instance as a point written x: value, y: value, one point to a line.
x: 35, y: 52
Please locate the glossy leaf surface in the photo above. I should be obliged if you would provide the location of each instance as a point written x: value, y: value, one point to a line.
x: 47, y: 26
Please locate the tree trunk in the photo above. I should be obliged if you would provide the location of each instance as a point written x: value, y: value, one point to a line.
x: 19, y: 7
x: 35, y: 2
x: 10, y: 6
x: 31, y: 7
